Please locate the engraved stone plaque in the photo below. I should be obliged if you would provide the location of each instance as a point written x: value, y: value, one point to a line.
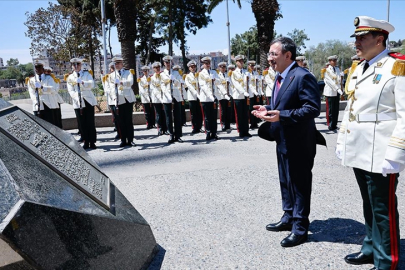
x: 17, y: 125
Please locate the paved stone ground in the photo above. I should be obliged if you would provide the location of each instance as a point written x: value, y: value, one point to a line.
x: 208, y: 203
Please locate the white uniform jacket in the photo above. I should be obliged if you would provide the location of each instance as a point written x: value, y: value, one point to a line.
x: 222, y: 87
x: 85, y: 89
x: 156, y: 88
x: 192, y: 86
x: 269, y: 80
x: 373, y: 126
x: 125, y: 92
x: 48, y: 86
x: 108, y: 87
x: 239, y: 79
x: 144, y: 90
x: 58, y: 98
x: 253, y: 91
x: 206, y: 84
x: 332, y: 81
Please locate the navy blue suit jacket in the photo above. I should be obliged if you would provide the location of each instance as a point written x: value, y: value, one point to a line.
x: 299, y: 102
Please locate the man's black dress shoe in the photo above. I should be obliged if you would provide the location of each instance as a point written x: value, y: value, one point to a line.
x: 214, y: 137
x: 195, y: 131
x: 178, y: 140
x: 131, y: 144
x: 248, y: 135
x: 93, y: 146
x: 208, y: 137
x: 293, y: 240
x: 278, y: 227
x: 359, y: 258
x: 171, y: 140
x: 122, y: 144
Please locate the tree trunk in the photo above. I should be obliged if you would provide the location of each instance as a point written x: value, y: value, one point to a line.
x: 151, y: 28
x: 266, y: 12
x: 109, y: 39
x: 170, y: 29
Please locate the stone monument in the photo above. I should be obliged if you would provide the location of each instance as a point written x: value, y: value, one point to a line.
x: 58, y: 210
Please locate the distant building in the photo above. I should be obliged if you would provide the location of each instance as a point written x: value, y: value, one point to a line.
x: 1, y: 62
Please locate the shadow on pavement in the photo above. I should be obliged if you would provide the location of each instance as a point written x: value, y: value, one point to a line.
x: 337, y: 230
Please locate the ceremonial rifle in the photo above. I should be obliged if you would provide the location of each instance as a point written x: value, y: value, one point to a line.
x: 212, y: 85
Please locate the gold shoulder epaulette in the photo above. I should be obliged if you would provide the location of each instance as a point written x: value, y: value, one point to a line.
x: 104, y: 78
x: 398, y: 69
x: 54, y: 78
x: 197, y: 74
x: 57, y: 80
x: 265, y: 72
x: 91, y: 72
x: 27, y: 79
x: 181, y: 72
x: 230, y: 73
x: 184, y: 76
x: 65, y: 77
x: 132, y: 71
x: 138, y: 80
x: 217, y: 71
x: 148, y: 79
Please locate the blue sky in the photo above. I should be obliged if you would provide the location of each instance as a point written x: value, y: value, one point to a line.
x: 321, y: 20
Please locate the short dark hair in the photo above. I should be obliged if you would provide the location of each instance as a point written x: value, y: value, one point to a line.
x: 287, y: 45
x: 376, y: 34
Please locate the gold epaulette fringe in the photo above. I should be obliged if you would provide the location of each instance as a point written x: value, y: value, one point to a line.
x: 323, y: 73
x: 132, y: 71
x: 148, y: 79
x: 197, y: 74
x: 265, y: 72
x: 350, y: 93
x: 138, y: 80
x: 27, y: 80
x: 184, y: 76
x: 65, y: 77
x: 54, y: 78
x: 91, y: 72
x: 181, y: 72
x: 230, y: 73
x: 104, y: 78
x: 217, y: 71
x: 398, y: 69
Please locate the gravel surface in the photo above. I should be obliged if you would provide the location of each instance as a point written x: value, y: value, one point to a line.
x: 208, y: 203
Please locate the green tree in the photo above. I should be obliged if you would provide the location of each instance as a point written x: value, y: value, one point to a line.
x: 57, y: 30
x: 299, y: 37
x: 318, y: 55
x: 12, y: 62
x: 246, y: 44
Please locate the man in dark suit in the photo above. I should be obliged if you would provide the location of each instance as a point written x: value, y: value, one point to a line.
x: 294, y: 105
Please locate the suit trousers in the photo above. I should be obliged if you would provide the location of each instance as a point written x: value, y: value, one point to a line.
x: 210, y: 116
x: 296, y: 186
x: 196, y: 114
x: 160, y: 117
x: 232, y: 102
x: 149, y: 112
x: 57, y: 115
x: 381, y: 217
x: 46, y: 114
x: 177, y: 119
x: 115, y: 118
x: 125, y: 122
x: 168, y: 109
x: 225, y: 115
x: 241, y: 116
x: 183, y: 113
x: 333, y: 111
x: 87, y: 123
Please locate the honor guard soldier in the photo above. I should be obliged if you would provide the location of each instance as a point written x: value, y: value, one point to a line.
x: 269, y: 79
x: 145, y: 93
x: 231, y: 68
x: 172, y: 100
x: 332, y: 92
x: 239, y: 79
x: 253, y: 92
x: 157, y: 99
x: 193, y: 92
x: 207, y: 82
x: 300, y: 60
x: 40, y: 88
x: 222, y: 93
x: 79, y: 85
x: 108, y: 88
x: 183, y: 94
x: 371, y: 139
x: 121, y: 81
x: 57, y: 113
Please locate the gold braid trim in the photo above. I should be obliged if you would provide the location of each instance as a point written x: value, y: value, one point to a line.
x: 132, y: 71
x: 350, y: 93
x: 184, y: 77
x: 181, y: 72
x: 27, y: 80
x: 398, y: 69
x: 323, y: 73
x: 230, y: 73
x: 91, y: 72
x: 138, y: 80
x: 265, y: 72
x: 65, y: 77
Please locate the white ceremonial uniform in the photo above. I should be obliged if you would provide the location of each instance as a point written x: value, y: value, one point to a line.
x: 58, y: 98
x: 45, y: 93
x: 144, y: 90
x: 238, y: 79
x: 192, y: 85
x: 156, y: 88
x: 221, y: 89
x: 125, y: 91
x: 108, y: 88
x: 165, y: 86
x: 176, y: 82
x: 332, y: 81
x: 85, y: 89
x: 373, y: 126
x: 269, y: 80
x: 206, y: 84
x: 252, y: 83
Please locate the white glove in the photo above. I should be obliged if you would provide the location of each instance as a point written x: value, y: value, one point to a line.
x: 38, y: 85
x: 390, y: 166
x: 255, y: 93
x: 117, y: 81
x: 212, y: 76
x: 78, y: 80
x: 338, y: 151
x: 246, y: 94
x: 227, y: 97
x: 340, y: 91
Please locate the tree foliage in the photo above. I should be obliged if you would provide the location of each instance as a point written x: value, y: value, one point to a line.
x: 246, y: 44
x: 299, y: 37
x: 318, y: 56
x: 12, y: 62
